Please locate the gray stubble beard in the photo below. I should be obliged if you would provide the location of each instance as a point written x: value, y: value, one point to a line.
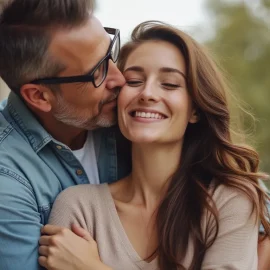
x: 68, y: 114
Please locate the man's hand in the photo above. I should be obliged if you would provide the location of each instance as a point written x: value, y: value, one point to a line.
x: 264, y: 254
x: 63, y: 249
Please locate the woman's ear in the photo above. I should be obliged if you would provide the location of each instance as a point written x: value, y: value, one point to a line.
x: 195, y: 116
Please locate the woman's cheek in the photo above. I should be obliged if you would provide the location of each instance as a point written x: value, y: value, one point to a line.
x: 126, y: 95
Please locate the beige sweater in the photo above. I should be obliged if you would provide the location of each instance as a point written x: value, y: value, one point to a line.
x: 92, y: 207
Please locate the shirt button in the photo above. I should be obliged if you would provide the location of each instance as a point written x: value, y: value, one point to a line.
x: 59, y: 147
x: 79, y: 172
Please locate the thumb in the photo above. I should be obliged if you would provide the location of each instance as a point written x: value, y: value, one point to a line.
x: 81, y: 232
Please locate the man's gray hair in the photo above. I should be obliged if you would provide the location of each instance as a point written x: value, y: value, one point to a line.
x: 26, y: 28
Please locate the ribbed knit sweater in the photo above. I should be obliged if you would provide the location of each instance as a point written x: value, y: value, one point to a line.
x: 92, y: 207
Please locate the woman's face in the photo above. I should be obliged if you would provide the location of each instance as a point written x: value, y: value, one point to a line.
x: 154, y: 105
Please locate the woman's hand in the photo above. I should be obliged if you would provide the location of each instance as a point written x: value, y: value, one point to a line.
x: 63, y: 249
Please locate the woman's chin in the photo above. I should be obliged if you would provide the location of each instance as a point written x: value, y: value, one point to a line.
x: 143, y: 135
x: 143, y: 139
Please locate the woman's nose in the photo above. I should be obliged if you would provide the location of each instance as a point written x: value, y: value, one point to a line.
x: 149, y: 93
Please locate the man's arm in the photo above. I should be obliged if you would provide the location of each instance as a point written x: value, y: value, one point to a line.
x: 19, y: 223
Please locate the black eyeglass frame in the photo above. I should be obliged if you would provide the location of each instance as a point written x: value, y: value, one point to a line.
x: 90, y: 76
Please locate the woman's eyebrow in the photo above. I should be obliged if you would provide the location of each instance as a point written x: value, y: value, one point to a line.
x: 172, y: 70
x: 134, y: 68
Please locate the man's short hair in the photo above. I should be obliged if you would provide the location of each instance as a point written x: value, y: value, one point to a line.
x: 26, y: 28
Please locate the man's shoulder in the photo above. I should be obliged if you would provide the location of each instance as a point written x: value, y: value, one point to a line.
x: 11, y: 141
x: 5, y: 127
x: 13, y: 151
x: 17, y: 155
x: 8, y: 127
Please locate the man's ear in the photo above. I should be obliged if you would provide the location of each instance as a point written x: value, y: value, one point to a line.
x: 195, y: 116
x: 37, y: 96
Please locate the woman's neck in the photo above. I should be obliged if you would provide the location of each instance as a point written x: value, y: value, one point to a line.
x: 152, y: 169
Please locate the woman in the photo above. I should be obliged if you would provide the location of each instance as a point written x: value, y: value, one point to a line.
x: 192, y: 200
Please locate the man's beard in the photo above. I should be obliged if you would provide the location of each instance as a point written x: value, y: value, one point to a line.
x: 70, y: 115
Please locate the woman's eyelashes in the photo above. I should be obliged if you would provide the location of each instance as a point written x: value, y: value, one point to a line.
x: 170, y: 86
x: 134, y: 83
x: 166, y: 85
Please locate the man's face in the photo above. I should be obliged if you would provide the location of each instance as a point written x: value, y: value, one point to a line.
x: 81, y: 104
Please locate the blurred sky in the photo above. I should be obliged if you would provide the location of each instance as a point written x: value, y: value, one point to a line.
x: 126, y: 14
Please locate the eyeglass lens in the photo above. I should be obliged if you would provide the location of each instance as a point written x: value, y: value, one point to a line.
x: 100, y: 73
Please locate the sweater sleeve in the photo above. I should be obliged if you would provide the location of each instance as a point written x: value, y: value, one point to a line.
x: 74, y: 206
x: 235, y: 247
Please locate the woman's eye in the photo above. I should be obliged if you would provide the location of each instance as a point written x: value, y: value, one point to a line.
x: 134, y: 83
x: 170, y: 85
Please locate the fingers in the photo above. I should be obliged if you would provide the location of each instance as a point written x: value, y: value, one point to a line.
x: 51, y: 229
x: 45, y: 240
x: 43, y: 261
x: 79, y: 231
x: 43, y: 251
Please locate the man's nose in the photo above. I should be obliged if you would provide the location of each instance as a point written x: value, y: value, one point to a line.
x: 115, y: 77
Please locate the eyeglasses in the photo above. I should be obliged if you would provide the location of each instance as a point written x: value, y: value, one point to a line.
x: 99, y: 73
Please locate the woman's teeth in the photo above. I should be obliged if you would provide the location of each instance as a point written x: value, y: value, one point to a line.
x: 149, y: 115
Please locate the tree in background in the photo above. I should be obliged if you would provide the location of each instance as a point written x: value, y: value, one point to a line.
x: 241, y: 42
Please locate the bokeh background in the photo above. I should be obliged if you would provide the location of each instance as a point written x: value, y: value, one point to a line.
x: 238, y: 34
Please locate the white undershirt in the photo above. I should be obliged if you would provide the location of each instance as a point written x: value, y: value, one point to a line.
x: 87, y: 158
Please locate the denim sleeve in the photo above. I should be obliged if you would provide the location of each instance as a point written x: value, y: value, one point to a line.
x: 19, y: 223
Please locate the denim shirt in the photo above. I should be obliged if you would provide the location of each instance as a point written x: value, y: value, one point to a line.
x: 34, y: 169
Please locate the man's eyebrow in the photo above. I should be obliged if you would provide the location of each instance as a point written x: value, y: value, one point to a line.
x: 172, y: 70
x: 134, y: 68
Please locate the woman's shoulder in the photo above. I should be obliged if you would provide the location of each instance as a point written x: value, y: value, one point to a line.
x: 237, y: 231
x: 229, y: 198
x: 79, y: 204
x: 82, y: 193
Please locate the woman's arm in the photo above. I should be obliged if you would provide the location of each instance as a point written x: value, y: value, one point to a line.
x: 264, y: 246
x: 236, y: 244
x: 65, y: 249
x: 264, y: 254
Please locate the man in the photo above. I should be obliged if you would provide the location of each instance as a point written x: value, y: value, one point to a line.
x: 59, y: 63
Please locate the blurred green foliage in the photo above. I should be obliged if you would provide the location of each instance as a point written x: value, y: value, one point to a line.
x: 241, y: 42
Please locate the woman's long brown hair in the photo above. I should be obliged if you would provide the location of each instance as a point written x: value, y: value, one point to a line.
x: 208, y: 155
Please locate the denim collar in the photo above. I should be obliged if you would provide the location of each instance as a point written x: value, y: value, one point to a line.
x: 28, y: 124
